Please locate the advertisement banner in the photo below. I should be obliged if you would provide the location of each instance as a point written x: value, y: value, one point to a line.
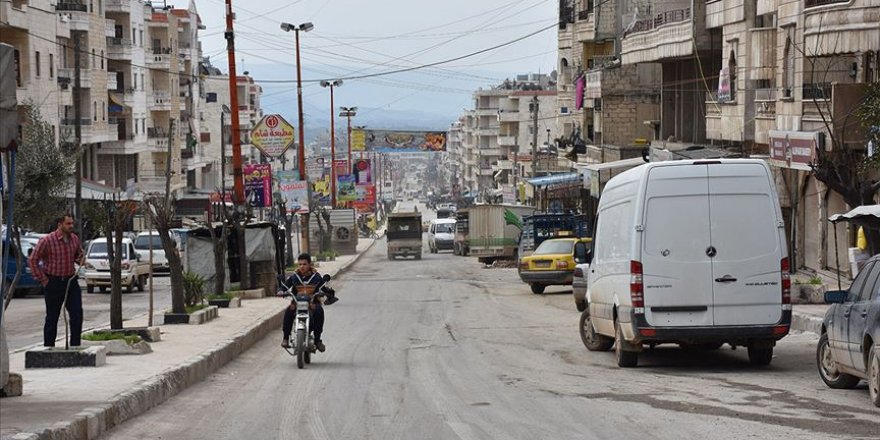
x: 366, y: 201
x: 362, y: 171
x: 358, y: 140
x: 258, y: 185
x: 315, y: 168
x: 341, y: 167
x: 402, y: 141
x: 321, y: 191
x: 724, y: 94
x: 294, y: 191
x: 272, y: 135
x: 346, y: 190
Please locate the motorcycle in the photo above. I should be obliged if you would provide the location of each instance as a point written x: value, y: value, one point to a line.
x: 302, y: 342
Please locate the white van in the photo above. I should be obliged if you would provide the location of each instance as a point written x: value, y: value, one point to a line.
x: 441, y: 234
x: 689, y: 252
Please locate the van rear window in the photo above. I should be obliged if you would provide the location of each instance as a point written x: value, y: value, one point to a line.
x: 744, y: 225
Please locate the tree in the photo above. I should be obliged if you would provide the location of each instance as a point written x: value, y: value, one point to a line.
x: 160, y: 209
x: 119, y: 214
x: 42, y: 171
x: 219, y: 246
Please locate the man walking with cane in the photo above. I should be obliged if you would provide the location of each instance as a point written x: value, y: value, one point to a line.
x: 52, y: 265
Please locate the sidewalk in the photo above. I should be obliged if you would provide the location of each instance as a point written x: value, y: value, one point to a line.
x: 84, y: 403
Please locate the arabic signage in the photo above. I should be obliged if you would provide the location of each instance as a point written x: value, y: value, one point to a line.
x: 401, y: 141
x: 258, y: 185
x: 358, y: 140
x: 321, y: 191
x: 295, y: 192
x: 793, y: 149
x: 272, y: 135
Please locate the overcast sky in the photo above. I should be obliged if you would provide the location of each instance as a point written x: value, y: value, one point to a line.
x: 356, y: 37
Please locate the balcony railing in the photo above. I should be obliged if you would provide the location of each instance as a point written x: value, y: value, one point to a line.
x: 812, y: 3
x: 68, y: 6
x: 816, y: 91
x: 673, y: 16
x: 119, y: 42
x: 765, y: 95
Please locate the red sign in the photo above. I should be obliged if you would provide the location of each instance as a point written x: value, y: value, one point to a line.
x: 366, y: 198
x: 793, y: 149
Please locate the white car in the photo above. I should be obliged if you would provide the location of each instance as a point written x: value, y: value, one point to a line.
x: 135, y: 271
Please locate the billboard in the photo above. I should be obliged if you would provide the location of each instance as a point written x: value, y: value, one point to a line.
x: 402, y: 141
x: 362, y: 171
x: 295, y: 192
x: 321, y: 191
x: 272, y: 135
x: 358, y: 140
x: 366, y: 198
x: 345, y: 188
x: 258, y: 185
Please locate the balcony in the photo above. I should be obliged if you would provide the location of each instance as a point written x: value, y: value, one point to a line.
x: 489, y: 152
x: 185, y: 51
x: 488, y: 131
x: 509, y: 116
x: 765, y: 102
x: 839, y: 27
x: 668, y: 34
x: 79, y: 15
x: 68, y: 130
x: 507, y: 141
x: 585, y: 28
x: 814, y: 3
x: 159, y: 58
x: 119, y: 49
x: 487, y: 111
x: 121, y: 6
x: 15, y: 14
x: 160, y: 101
x: 85, y: 77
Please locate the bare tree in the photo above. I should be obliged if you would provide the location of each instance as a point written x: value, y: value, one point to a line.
x: 160, y: 209
x: 219, y: 246
x: 119, y: 214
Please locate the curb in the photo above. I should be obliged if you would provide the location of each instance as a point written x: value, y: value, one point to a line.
x: 806, y: 323
x: 94, y: 422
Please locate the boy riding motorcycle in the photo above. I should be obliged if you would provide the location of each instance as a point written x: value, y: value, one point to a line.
x: 307, y: 284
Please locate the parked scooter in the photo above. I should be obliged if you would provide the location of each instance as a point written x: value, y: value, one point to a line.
x: 302, y: 341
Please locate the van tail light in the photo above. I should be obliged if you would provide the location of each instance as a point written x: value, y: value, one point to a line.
x: 562, y: 264
x: 637, y: 287
x: 578, y: 272
x: 785, y: 268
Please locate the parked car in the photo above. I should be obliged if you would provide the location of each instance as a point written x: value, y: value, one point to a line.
x: 849, y: 343
x: 142, y: 245
x: 691, y: 252
x: 553, y: 263
x: 26, y: 282
x: 135, y: 270
x: 579, y: 286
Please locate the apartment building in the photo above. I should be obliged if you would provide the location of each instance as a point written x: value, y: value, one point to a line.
x: 517, y: 132
x: 774, y: 78
x: 139, y: 78
x: 454, y: 137
x: 602, y: 102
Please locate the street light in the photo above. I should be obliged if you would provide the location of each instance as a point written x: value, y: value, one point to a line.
x: 348, y: 112
x: 331, y: 85
x: 300, y: 151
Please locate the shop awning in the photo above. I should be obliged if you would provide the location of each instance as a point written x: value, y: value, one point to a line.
x: 554, y: 179
x: 860, y: 215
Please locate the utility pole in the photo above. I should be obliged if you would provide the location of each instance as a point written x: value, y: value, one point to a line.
x: 238, y: 195
x: 77, y: 133
x: 533, y: 108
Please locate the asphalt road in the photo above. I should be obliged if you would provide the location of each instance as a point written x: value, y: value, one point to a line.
x: 444, y: 349
x: 25, y: 316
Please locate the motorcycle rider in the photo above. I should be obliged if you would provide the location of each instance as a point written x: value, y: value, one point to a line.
x: 308, y: 285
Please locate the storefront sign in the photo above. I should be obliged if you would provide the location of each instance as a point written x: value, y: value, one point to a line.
x: 793, y: 149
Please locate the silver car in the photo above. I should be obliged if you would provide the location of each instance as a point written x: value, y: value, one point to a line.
x: 579, y: 286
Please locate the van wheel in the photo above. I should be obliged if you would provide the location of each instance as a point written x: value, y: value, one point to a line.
x: 141, y: 281
x: 592, y: 340
x: 90, y: 288
x: 874, y: 375
x: 131, y: 286
x: 625, y: 359
x: 103, y: 289
x: 828, y: 367
x: 537, y: 289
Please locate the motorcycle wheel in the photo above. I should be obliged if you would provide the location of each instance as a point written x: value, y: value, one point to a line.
x: 300, y: 348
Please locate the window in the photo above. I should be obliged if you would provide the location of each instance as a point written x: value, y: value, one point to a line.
x: 141, y: 32
x: 51, y: 65
x: 142, y: 81
x: 103, y: 111
x: 94, y: 63
x: 859, y: 283
x: 17, y: 58
x: 788, y: 67
x: 102, y: 60
x: 211, y: 97
x: 94, y: 110
x: 38, y: 64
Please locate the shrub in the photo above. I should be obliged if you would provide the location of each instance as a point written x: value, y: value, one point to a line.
x: 193, y: 288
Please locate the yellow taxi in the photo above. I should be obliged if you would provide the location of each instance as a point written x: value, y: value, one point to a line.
x: 553, y: 262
